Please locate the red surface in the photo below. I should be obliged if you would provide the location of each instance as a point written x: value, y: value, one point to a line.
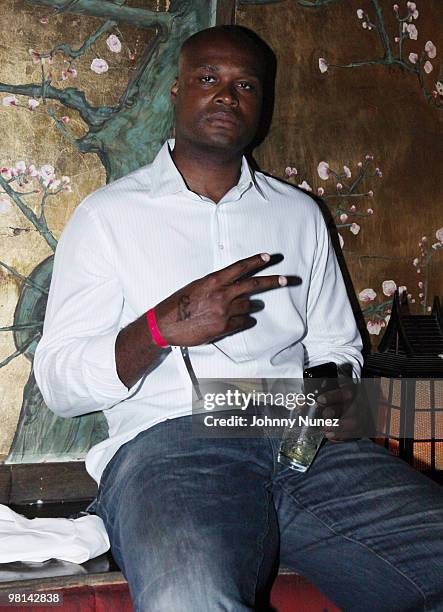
x: 290, y: 593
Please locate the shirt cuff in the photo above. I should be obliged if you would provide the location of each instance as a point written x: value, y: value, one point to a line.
x: 100, y: 370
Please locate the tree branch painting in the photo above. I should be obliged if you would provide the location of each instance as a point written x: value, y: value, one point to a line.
x: 125, y: 135
x: 418, y: 62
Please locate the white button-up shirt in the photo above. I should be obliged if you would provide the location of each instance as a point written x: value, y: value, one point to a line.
x: 136, y: 241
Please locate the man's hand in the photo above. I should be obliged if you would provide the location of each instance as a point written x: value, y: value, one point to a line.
x: 215, y: 305
x: 339, y: 403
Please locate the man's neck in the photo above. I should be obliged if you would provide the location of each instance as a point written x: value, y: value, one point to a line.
x: 210, y: 173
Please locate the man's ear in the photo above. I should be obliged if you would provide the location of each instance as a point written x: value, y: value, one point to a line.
x: 174, y: 90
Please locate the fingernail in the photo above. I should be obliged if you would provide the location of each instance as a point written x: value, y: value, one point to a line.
x: 282, y: 281
x: 265, y: 256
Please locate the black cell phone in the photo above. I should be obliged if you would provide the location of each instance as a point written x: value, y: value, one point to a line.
x: 321, y: 378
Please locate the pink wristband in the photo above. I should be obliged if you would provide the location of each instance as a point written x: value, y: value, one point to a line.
x: 155, y: 332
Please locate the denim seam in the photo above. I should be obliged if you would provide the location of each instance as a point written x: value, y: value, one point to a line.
x: 260, y: 547
x: 358, y: 542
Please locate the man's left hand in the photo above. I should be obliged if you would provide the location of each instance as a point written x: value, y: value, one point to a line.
x: 339, y: 403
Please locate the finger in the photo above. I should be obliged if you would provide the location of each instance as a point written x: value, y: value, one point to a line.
x: 239, y: 323
x: 238, y: 269
x: 257, y: 284
x: 242, y: 305
x: 342, y: 395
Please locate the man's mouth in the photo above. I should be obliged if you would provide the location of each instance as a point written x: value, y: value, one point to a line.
x: 224, y: 117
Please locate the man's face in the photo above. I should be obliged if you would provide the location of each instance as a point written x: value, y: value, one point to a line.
x: 218, y: 95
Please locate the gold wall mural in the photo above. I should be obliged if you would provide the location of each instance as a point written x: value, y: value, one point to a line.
x: 358, y: 120
x: 85, y: 99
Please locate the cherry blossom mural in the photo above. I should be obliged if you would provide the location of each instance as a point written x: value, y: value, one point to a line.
x: 357, y: 123
x: 124, y: 133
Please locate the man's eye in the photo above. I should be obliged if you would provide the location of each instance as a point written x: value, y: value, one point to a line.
x: 245, y: 85
x: 207, y: 79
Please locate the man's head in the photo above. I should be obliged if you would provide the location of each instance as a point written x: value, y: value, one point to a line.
x: 218, y: 93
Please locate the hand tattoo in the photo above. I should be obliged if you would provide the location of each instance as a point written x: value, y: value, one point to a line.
x: 184, y: 312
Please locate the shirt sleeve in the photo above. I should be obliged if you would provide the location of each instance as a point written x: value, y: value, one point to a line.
x: 332, y: 333
x: 75, y: 360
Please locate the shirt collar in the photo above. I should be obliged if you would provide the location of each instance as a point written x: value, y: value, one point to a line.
x: 167, y: 180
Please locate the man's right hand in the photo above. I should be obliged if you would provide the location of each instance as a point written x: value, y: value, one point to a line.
x: 216, y: 305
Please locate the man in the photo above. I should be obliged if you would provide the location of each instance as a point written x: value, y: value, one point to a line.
x: 169, y: 257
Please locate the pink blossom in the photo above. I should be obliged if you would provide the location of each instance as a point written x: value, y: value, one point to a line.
x: 32, y: 170
x: 320, y: 191
x: 412, y: 301
x: 339, y: 186
x: 6, y: 172
x: 65, y: 119
x: 370, y: 193
x: 53, y: 185
x: 439, y: 234
x: 429, y: 309
x: 439, y: 86
x: 10, y: 101
x: 353, y: 208
x: 428, y: 67
x: 378, y: 172
x: 5, y: 205
x: 369, y: 156
x: 412, y: 31
x: 418, y: 271
x: 355, y: 228
x: 72, y: 72
x: 64, y: 75
x: 291, y: 171
x: 424, y: 239
x: 323, y: 170
x: 396, y: 39
x: 99, y: 65
x: 360, y: 13
x: 47, y: 172
x: 50, y: 60
x: 389, y: 287
x: 131, y: 54
x: 66, y: 180
x: 370, y: 211
x: 36, y: 57
x: 421, y: 295
x: 373, y: 327
x: 32, y: 103
x: 341, y: 241
x: 402, y: 289
x: 367, y: 295
x: 411, y: 6
x: 364, y: 25
x: 347, y: 172
x: 420, y: 285
x: 344, y: 217
x: 395, y: 8
x: 413, y: 58
x: 20, y: 166
x: 113, y: 43
x: 305, y: 186
x: 322, y: 64
x: 44, y: 20
x: 360, y: 164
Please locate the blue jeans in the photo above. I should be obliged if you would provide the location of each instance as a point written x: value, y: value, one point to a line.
x: 200, y: 525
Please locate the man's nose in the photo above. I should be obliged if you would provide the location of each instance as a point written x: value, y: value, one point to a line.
x: 227, y: 95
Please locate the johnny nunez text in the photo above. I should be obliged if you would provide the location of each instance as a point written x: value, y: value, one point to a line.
x: 211, y: 420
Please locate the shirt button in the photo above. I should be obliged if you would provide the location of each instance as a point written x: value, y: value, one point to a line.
x: 221, y: 246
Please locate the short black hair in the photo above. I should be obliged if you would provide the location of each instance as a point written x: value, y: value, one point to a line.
x: 240, y: 35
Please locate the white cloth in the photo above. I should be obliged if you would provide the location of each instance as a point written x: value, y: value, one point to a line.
x: 40, y: 539
x: 136, y: 241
